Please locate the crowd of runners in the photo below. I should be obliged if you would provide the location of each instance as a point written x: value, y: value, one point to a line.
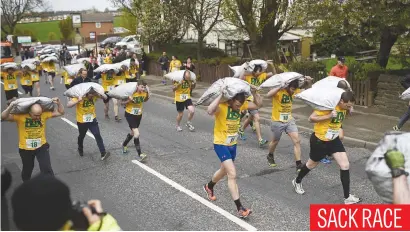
x: 231, y: 120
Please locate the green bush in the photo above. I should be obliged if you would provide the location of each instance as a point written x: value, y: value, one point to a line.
x: 182, y: 51
x: 316, y: 70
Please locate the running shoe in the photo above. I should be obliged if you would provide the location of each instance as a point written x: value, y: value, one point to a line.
x: 124, y: 150
x: 105, y: 155
x: 271, y: 161
x: 117, y: 119
x: 241, y: 134
x: 52, y: 88
x: 262, y: 142
x: 190, y: 127
x: 396, y: 128
x: 209, y: 193
x: 179, y: 129
x: 352, y: 199
x: 141, y: 158
x: 326, y: 161
x: 244, y: 212
x: 298, y: 187
x: 107, y: 117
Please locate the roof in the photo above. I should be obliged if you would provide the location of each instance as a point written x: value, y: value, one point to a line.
x: 286, y: 36
x: 97, y: 17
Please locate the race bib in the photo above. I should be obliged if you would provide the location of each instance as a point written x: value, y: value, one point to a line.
x: 331, y: 134
x: 28, y: 82
x: 120, y: 82
x: 135, y: 111
x: 284, y: 117
x: 231, y: 139
x: 69, y: 80
x: 34, y: 76
x: 183, y: 97
x: 88, y: 118
x: 33, y: 143
x: 12, y: 86
x: 109, y: 88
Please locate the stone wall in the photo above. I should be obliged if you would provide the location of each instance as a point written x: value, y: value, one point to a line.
x: 388, y: 91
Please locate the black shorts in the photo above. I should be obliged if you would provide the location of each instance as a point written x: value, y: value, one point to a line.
x: 10, y: 94
x: 320, y: 149
x: 67, y: 86
x: 35, y: 82
x: 183, y: 105
x: 27, y: 88
x: 131, y: 80
x: 52, y: 74
x: 108, y: 98
x: 133, y: 120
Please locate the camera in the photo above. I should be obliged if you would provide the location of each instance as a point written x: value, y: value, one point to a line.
x: 80, y: 221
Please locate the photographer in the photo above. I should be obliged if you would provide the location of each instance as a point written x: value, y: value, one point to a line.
x: 43, y: 204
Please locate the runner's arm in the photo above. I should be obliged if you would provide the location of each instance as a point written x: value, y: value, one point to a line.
x: 272, y: 92
x: 269, y: 75
x: 175, y: 87
x: 214, y: 106
x: 316, y: 118
x: 257, y: 99
x: 73, y: 102
x: 5, y: 115
x: 60, y: 109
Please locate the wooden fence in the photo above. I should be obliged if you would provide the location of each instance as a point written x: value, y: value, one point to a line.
x: 210, y: 73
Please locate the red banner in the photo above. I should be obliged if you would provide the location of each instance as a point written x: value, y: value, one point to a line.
x: 360, y: 217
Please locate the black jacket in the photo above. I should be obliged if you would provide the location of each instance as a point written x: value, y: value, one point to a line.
x: 90, y: 70
x: 79, y: 80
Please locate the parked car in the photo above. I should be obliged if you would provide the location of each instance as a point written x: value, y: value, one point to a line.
x: 130, y: 43
x: 110, y: 41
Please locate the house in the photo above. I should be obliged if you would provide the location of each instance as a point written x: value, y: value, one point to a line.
x: 101, y: 23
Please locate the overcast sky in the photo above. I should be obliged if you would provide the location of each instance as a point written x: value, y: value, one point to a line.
x: 59, y: 5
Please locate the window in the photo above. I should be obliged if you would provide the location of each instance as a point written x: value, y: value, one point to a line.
x: 97, y: 25
x: 5, y: 52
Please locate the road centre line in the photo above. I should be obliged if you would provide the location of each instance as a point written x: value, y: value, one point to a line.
x: 234, y: 219
x: 17, y: 89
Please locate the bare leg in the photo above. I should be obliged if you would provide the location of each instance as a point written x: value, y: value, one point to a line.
x: 296, y: 145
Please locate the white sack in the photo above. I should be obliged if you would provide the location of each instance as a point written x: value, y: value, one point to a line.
x: 330, y: 81
x: 12, y: 65
x: 31, y: 61
x: 127, y: 63
x: 123, y: 91
x: 377, y: 170
x: 321, y: 98
x: 81, y: 60
x: 22, y: 105
x: 47, y: 51
x: 179, y: 75
x: 239, y: 71
x: 232, y: 85
x: 262, y: 63
x: 73, y: 69
x: 82, y: 89
x: 406, y: 95
x: 50, y: 59
x: 283, y: 80
x: 32, y: 67
x: 106, y: 68
x: 48, y: 55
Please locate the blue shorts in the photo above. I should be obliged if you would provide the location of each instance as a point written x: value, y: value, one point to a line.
x: 225, y: 152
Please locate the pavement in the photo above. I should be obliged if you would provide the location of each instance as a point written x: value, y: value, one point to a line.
x: 166, y: 192
x: 364, y: 128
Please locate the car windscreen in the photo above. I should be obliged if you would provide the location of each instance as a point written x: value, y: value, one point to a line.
x: 6, y: 52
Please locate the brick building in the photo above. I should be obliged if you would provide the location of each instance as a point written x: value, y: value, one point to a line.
x: 101, y: 23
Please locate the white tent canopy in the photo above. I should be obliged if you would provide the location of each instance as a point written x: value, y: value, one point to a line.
x: 287, y: 37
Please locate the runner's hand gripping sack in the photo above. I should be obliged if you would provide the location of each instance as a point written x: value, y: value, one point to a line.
x: 330, y: 81
x: 283, y: 80
x: 232, y: 86
x: 262, y: 63
x: 179, y: 75
x: 22, y: 105
x: 378, y: 171
x: 321, y: 98
x: 406, y: 95
x: 82, y: 89
x: 123, y: 91
x: 73, y: 69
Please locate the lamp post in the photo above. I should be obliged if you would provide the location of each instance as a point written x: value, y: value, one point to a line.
x: 78, y: 39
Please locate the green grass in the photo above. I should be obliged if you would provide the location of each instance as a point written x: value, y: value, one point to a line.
x: 41, y: 29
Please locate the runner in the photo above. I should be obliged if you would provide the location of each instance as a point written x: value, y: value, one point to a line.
x: 324, y: 141
x: 9, y: 78
x: 175, y: 64
x: 282, y: 120
x: 35, y: 78
x: 133, y: 114
x: 226, y: 128
x: 26, y: 81
x: 67, y: 79
x: 256, y: 79
x: 107, y: 82
x: 108, y: 59
x: 32, y: 136
x: 51, y: 72
x: 183, y: 100
x: 131, y: 74
x: 87, y: 120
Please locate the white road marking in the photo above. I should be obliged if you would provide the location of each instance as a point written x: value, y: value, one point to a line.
x: 17, y: 89
x: 188, y: 192
x: 195, y: 196
x: 75, y: 126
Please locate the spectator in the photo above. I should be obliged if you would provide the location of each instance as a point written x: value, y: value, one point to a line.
x: 44, y: 204
x: 144, y: 63
x: 22, y: 55
x: 91, y: 67
x: 401, y: 191
x: 406, y: 116
x: 340, y: 69
x: 164, y: 61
